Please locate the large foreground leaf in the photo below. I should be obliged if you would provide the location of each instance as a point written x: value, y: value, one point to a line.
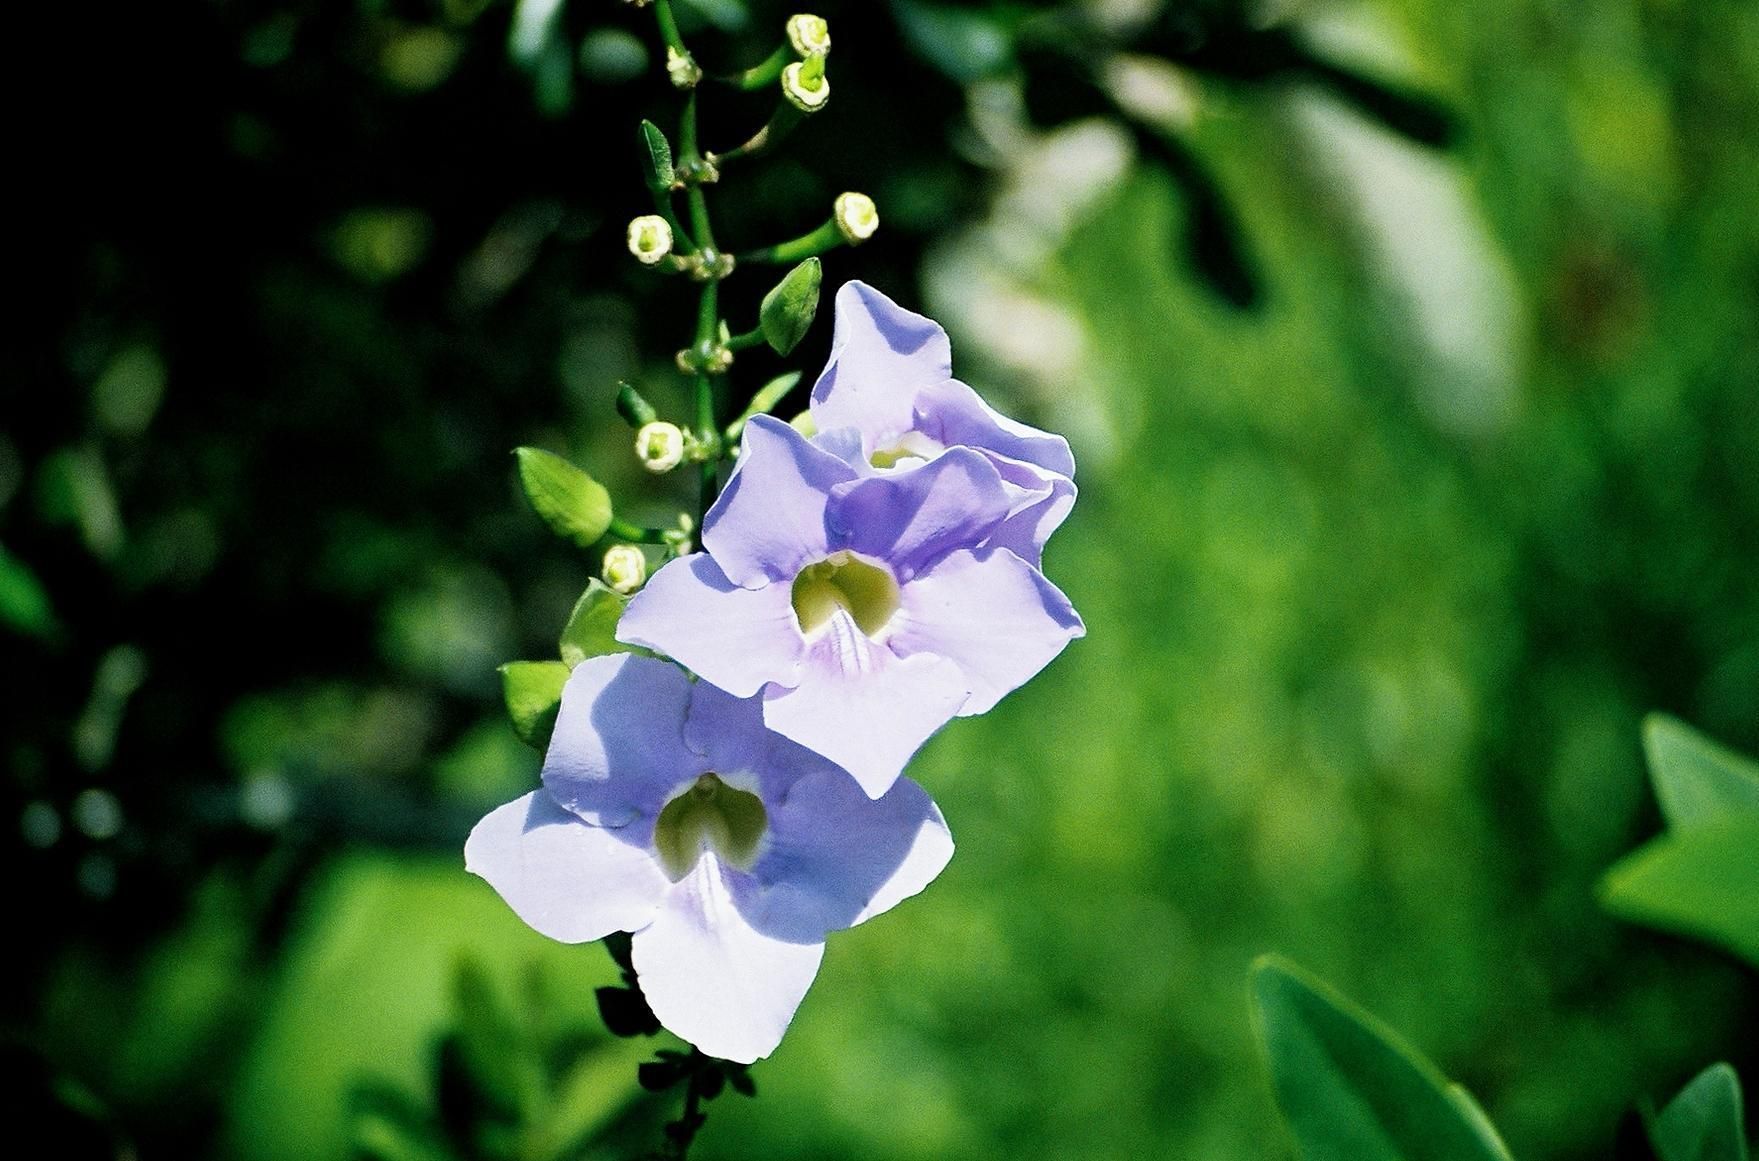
x: 1350, y: 1088
x: 1704, y: 1122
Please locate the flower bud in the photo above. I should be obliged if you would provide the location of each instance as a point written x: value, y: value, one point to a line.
x: 857, y: 217
x: 659, y: 446
x: 625, y: 568
x: 810, y: 35
x: 682, y: 68
x: 805, y: 85
x: 650, y: 238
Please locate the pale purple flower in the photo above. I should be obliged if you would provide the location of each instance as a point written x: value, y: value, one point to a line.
x: 869, y: 610
x: 669, y: 811
x: 887, y: 401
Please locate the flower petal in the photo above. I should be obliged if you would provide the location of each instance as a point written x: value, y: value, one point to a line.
x: 770, y: 521
x: 953, y: 413
x: 568, y: 879
x: 714, y: 979
x: 862, y: 707
x: 736, y: 638
x: 911, y: 518
x: 618, y: 748
x: 835, y: 859
x: 1039, y: 503
x: 994, y: 615
x: 880, y: 354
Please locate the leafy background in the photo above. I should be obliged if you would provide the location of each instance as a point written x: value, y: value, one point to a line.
x: 1412, y: 478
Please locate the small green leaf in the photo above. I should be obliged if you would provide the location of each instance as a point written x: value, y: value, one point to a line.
x: 24, y: 603
x: 588, y: 1097
x: 658, y: 152
x: 592, y: 626
x: 533, y: 690
x: 763, y: 402
x: 789, y: 307
x: 1350, y: 1088
x: 1696, y: 779
x: 572, y: 503
x: 1702, y: 881
x: 1703, y: 1123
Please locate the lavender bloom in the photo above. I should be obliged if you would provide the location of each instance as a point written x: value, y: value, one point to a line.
x: 669, y: 811
x: 887, y: 400
x: 869, y: 610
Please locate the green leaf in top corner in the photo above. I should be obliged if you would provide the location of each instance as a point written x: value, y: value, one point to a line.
x: 1695, y: 779
x: 1703, y: 1123
x: 572, y: 503
x: 789, y: 307
x: 1350, y: 1088
x: 533, y: 690
x: 1701, y: 881
x: 592, y: 626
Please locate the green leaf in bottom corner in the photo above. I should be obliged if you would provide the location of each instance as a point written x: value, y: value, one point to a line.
x: 533, y: 690
x: 1701, y: 881
x: 1350, y: 1088
x: 572, y: 503
x: 1703, y: 1123
x: 1695, y: 779
x: 592, y: 626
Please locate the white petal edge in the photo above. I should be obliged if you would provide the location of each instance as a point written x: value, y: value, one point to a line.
x: 568, y: 879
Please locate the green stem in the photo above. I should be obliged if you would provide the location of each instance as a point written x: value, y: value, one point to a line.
x: 780, y: 124
x: 635, y: 533
x: 707, y: 323
x: 763, y: 74
x: 751, y: 338
x: 669, y: 26
x: 826, y: 237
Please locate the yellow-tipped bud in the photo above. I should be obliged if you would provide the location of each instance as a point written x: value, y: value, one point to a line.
x: 682, y: 68
x: 625, y: 568
x: 659, y: 446
x: 810, y: 35
x: 650, y: 238
x: 857, y: 217
x: 805, y: 85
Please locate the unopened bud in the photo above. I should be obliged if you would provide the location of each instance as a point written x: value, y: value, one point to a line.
x: 682, y: 68
x: 810, y: 35
x: 857, y: 217
x: 625, y: 568
x: 650, y: 238
x: 805, y: 85
x: 659, y: 446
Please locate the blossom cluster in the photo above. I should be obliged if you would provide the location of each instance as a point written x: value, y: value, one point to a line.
x: 857, y: 589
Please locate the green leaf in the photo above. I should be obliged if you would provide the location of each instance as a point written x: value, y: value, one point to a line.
x: 966, y: 44
x: 789, y: 307
x: 497, y: 1054
x: 572, y: 503
x: 1350, y: 1088
x: 1703, y: 881
x: 1695, y: 779
x: 592, y: 626
x: 588, y: 1097
x: 1703, y: 1123
x: 533, y: 690
x: 24, y: 603
x: 658, y: 152
x: 763, y: 402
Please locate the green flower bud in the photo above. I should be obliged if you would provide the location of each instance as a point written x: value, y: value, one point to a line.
x: 682, y: 68
x: 805, y: 85
x: 659, y: 446
x: 625, y: 568
x: 810, y: 35
x: 650, y: 239
x: 856, y: 216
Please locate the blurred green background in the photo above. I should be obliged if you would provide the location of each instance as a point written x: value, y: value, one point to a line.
x: 1410, y: 352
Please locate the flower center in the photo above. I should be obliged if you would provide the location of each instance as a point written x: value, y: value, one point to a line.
x: 709, y: 816
x: 844, y: 581
x: 909, y: 449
